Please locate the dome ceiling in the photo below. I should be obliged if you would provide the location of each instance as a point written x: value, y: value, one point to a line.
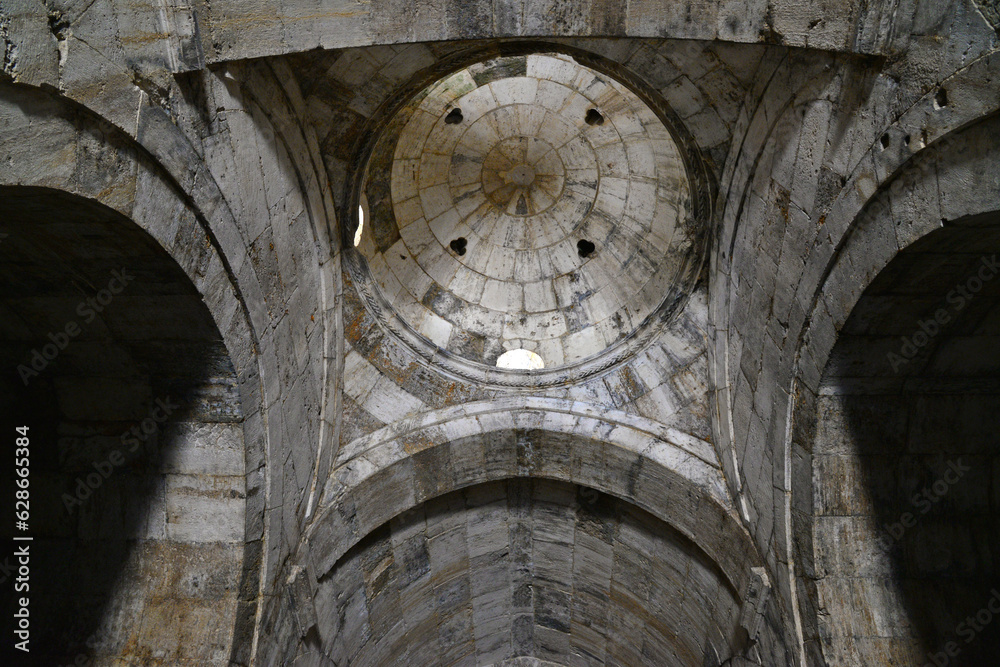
x: 527, y: 202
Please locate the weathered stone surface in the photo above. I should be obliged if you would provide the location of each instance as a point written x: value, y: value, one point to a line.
x: 839, y: 198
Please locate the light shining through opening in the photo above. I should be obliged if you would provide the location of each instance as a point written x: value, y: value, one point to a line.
x: 361, y: 226
x: 521, y: 360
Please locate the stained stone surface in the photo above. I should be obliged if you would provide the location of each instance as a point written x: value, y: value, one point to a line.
x: 906, y: 417
x: 519, y: 182
x: 526, y: 573
x: 819, y: 142
x: 137, y: 453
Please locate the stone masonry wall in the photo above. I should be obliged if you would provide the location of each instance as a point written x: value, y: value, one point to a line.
x: 813, y: 150
x: 137, y: 452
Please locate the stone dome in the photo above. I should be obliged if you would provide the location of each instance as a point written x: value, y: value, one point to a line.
x: 528, y: 202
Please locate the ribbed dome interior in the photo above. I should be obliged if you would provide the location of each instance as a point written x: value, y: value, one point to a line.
x: 534, y: 204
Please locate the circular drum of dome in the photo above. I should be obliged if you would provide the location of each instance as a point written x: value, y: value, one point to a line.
x: 528, y: 202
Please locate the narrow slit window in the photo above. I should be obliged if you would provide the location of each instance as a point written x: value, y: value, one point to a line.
x: 361, y: 226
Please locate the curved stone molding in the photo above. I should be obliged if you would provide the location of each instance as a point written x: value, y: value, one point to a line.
x: 521, y: 567
x: 384, y: 474
x: 669, y: 475
x: 298, y: 26
x: 927, y: 182
x: 945, y: 182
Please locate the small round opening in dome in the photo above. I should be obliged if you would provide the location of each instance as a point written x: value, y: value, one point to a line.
x: 520, y: 360
x: 361, y: 226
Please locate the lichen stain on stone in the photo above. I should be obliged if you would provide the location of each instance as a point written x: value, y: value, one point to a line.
x: 416, y: 442
x: 355, y: 327
x: 400, y: 375
x: 631, y: 383
x: 453, y: 395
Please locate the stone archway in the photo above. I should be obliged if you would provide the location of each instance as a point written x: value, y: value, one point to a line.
x: 933, y: 214
x: 96, y: 162
x: 383, y: 478
x: 904, y: 459
x: 137, y: 471
x: 528, y: 568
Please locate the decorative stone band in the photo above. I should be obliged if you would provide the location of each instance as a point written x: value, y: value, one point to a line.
x: 443, y: 360
x: 667, y: 473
